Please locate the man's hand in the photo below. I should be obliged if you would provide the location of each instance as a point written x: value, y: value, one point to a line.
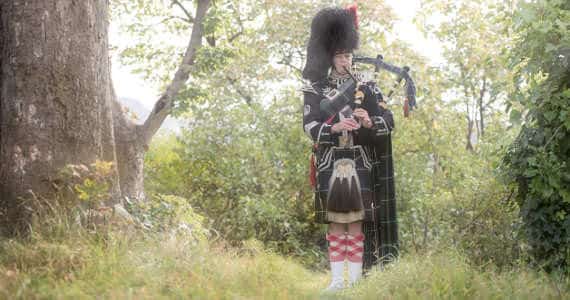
x: 362, y: 115
x: 345, y: 124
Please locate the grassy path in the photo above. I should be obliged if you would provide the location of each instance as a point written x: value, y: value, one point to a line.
x: 117, y: 267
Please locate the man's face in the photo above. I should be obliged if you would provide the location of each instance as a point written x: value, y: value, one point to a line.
x: 342, y: 61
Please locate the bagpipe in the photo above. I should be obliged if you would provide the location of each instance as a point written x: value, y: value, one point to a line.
x: 339, y: 98
x: 352, y: 177
x: 402, y: 74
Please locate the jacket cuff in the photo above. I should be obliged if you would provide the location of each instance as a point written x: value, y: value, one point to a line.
x: 324, y: 135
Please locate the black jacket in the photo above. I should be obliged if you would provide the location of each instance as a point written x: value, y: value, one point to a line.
x: 315, y: 124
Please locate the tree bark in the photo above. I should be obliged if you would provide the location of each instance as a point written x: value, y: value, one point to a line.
x: 55, y: 93
x: 130, y: 154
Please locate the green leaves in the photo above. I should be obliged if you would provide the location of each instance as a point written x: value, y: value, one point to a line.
x: 238, y: 166
x: 515, y: 116
x: 539, y: 159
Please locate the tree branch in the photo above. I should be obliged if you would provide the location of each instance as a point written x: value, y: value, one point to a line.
x: 235, y: 36
x: 481, y: 107
x: 240, y: 24
x: 211, y: 41
x: 163, y: 106
x: 492, y: 100
x: 468, y: 96
x: 505, y: 199
x: 287, y: 61
x: 290, y: 65
x: 248, y: 99
x: 188, y: 15
x: 175, y: 17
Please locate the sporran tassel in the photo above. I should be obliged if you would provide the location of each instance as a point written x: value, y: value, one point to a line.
x: 344, y: 188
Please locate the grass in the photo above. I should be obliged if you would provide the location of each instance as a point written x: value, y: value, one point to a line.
x: 127, y: 264
x: 448, y: 275
x: 158, y: 267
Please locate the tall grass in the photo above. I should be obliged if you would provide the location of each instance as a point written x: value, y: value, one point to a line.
x: 62, y: 259
x: 448, y: 275
x: 152, y: 267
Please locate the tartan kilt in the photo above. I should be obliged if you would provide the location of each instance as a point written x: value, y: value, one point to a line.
x: 375, y: 170
x: 325, y: 158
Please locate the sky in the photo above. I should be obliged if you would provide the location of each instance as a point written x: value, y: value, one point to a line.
x: 131, y: 85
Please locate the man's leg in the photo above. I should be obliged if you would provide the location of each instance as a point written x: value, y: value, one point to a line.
x: 337, y: 254
x: 354, y: 251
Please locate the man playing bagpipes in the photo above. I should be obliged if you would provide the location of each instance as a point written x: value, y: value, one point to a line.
x: 345, y: 116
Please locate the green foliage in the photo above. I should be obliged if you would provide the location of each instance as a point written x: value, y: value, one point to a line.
x: 95, y: 188
x: 167, y: 213
x: 248, y: 176
x: 539, y: 159
x: 164, y: 167
x: 448, y: 195
x: 474, y: 38
x: 91, y: 184
x: 244, y: 172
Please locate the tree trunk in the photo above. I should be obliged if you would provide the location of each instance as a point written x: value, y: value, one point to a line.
x: 482, y: 107
x: 469, y: 144
x: 58, y: 105
x: 55, y: 94
x: 130, y: 154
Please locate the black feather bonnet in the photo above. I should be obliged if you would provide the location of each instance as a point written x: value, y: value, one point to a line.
x: 333, y: 30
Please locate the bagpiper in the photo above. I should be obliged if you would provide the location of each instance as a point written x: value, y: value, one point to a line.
x: 352, y: 172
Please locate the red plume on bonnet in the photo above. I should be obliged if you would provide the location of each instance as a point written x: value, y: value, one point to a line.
x: 353, y: 8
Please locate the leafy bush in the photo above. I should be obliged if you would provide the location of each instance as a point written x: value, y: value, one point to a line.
x: 167, y: 213
x: 449, y: 196
x: 539, y: 159
x: 243, y: 167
